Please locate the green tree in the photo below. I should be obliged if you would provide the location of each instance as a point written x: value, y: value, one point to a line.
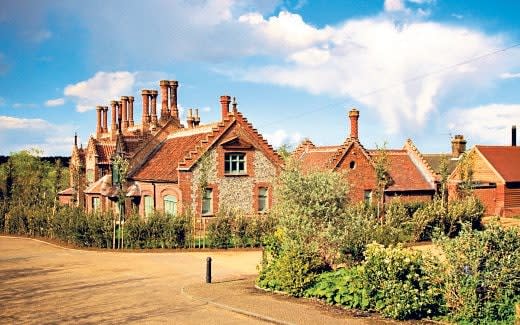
x: 383, y: 179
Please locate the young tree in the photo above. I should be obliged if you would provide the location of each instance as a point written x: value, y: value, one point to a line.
x: 383, y: 179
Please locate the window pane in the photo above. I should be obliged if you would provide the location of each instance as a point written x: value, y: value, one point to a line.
x: 207, y: 201
x: 170, y: 204
x: 234, y: 163
x: 262, y: 199
x: 95, y: 203
x: 148, y: 205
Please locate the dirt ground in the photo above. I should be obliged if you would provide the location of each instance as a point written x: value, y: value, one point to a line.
x: 42, y: 284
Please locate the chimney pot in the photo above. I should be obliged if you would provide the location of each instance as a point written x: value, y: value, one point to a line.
x: 131, y: 111
x: 513, y: 136
x: 224, y: 104
x: 104, y: 127
x: 153, y: 96
x: 164, y: 85
x: 353, y: 114
x: 458, y: 145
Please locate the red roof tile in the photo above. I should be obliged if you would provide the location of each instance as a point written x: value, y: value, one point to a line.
x: 505, y: 160
x: 318, y: 158
x: 162, y: 164
x: 105, y: 152
x: 405, y: 175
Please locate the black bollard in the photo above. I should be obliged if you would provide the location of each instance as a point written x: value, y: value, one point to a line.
x: 208, y: 270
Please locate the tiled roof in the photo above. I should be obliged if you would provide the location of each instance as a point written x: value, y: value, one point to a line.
x: 434, y: 160
x: 105, y: 151
x: 318, y: 157
x: 505, y: 160
x: 102, y: 186
x: 67, y: 191
x: 403, y: 172
x: 163, y: 162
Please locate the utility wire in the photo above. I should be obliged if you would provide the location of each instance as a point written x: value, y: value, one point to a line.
x: 398, y: 84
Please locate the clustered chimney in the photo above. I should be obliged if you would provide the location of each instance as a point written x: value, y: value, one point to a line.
x: 513, y: 136
x: 189, y: 118
x: 458, y: 145
x: 169, y: 99
x: 353, y: 114
x: 196, y: 118
x: 99, y: 129
x: 113, y: 126
x: 224, y: 104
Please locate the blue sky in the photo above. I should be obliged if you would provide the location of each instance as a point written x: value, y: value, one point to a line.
x: 419, y: 69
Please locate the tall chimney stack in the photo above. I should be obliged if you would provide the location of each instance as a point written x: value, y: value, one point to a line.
x: 98, y: 125
x: 131, y: 111
x: 189, y: 118
x: 196, y: 118
x: 224, y: 104
x: 353, y: 114
x: 165, y: 109
x: 104, y: 127
x: 513, y: 135
x: 153, y: 96
x: 458, y: 145
x: 113, y: 126
x: 174, y: 84
x: 124, y: 109
x: 146, y: 112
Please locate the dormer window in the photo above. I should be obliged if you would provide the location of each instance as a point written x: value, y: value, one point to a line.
x: 235, y: 163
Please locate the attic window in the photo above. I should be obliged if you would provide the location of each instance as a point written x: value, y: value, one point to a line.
x: 235, y: 163
x: 352, y: 164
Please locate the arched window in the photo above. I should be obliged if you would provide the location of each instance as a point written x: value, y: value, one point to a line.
x: 170, y: 205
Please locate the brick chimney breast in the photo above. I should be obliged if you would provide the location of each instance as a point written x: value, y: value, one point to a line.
x: 124, y: 109
x: 353, y: 114
x: 458, y: 145
x: 224, y: 104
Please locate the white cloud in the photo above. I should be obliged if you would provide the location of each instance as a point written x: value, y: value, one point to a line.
x: 55, y: 102
x: 21, y: 133
x: 458, y: 16
x: 24, y: 105
x: 487, y: 124
x: 509, y: 75
x: 8, y: 122
x: 398, y: 70
x: 394, y: 5
x: 100, y: 89
x: 280, y: 137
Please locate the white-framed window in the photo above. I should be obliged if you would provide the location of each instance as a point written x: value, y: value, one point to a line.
x: 170, y: 205
x: 96, y: 203
x: 207, y: 201
x: 235, y: 163
x: 148, y: 205
x: 263, y: 202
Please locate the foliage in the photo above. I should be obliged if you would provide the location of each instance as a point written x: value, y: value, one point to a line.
x: 448, y: 219
x: 482, y: 282
x: 383, y: 179
x: 396, y: 282
x: 232, y: 228
x: 293, y: 271
x: 159, y: 230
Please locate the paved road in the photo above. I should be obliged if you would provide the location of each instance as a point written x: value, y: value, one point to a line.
x: 41, y: 283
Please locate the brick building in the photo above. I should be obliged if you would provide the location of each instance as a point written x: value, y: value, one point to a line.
x: 173, y: 167
x: 495, y: 178
x: 411, y: 178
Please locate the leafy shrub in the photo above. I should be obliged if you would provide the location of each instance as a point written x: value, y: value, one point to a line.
x: 220, y: 230
x: 449, y: 218
x: 482, y: 278
x: 344, y: 287
x: 396, y: 282
x: 293, y: 271
x: 401, y: 283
